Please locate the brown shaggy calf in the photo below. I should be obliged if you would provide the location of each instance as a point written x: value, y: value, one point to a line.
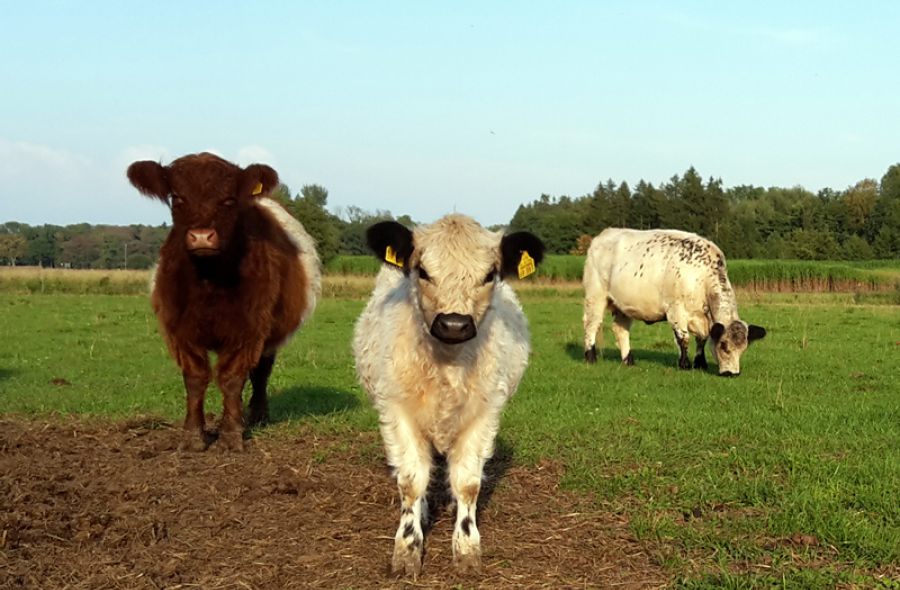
x: 237, y: 275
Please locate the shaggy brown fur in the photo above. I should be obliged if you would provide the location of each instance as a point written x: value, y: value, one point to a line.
x: 229, y: 281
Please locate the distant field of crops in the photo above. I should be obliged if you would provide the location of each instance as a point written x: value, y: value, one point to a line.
x: 766, y: 275
x: 351, y: 275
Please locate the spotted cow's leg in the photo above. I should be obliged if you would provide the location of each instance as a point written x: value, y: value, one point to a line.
x: 682, y: 339
x: 700, y: 357
x: 410, y: 456
x: 622, y: 330
x: 594, y: 309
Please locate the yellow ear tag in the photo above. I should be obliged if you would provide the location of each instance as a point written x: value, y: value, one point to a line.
x: 257, y: 190
x: 526, y: 265
x: 391, y: 257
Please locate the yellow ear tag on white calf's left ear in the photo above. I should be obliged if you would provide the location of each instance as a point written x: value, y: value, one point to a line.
x: 257, y: 190
x: 391, y: 257
x: 526, y: 265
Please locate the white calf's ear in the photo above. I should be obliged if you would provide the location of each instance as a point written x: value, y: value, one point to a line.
x: 520, y: 253
x: 391, y: 242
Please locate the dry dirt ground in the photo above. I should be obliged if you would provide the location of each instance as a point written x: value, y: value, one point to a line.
x: 114, y: 505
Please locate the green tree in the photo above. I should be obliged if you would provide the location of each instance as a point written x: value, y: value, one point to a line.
x: 12, y: 247
x: 325, y: 228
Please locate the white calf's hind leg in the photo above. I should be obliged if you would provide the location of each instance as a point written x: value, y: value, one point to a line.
x: 410, y: 455
x: 622, y: 330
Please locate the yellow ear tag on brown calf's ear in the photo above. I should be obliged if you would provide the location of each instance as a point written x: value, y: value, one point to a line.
x: 391, y: 257
x: 526, y: 265
x: 257, y: 190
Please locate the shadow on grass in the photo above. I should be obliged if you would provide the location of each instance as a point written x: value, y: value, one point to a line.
x: 608, y: 356
x: 440, y: 498
x: 6, y: 373
x: 309, y: 400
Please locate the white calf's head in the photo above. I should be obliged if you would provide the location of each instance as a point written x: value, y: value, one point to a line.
x: 730, y: 342
x: 454, y: 265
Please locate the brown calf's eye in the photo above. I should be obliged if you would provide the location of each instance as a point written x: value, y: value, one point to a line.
x: 228, y: 202
x: 176, y: 200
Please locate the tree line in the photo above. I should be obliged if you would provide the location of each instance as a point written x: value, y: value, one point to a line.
x: 858, y: 223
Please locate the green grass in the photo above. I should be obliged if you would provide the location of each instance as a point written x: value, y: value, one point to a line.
x: 785, y: 476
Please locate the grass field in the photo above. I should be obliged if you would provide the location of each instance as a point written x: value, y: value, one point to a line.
x: 787, y: 476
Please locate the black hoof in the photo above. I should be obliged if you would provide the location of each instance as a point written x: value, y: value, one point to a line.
x: 590, y: 355
x: 628, y: 361
x: 700, y: 363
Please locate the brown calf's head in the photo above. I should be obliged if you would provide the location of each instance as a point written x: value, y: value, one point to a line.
x: 207, y: 196
x: 730, y: 342
x: 454, y: 265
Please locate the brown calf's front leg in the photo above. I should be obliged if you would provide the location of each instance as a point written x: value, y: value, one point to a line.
x: 231, y: 427
x: 231, y: 376
x: 196, y: 374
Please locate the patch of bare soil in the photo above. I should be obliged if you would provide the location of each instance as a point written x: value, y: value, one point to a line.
x: 100, y: 505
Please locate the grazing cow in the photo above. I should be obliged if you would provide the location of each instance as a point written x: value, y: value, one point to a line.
x: 657, y: 275
x: 440, y: 348
x: 237, y: 275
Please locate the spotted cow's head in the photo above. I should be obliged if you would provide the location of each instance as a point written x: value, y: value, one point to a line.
x: 454, y: 266
x: 207, y: 196
x: 730, y: 342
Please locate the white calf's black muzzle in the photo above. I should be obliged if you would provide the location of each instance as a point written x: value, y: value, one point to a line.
x: 453, y: 328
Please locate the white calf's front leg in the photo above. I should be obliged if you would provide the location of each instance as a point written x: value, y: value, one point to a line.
x: 466, y: 464
x: 410, y: 455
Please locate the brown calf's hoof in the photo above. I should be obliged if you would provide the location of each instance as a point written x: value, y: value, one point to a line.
x: 232, y: 440
x: 193, y: 442
x: 469, y: 563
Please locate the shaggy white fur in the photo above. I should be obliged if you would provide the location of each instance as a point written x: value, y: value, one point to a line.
x: 436, y: 396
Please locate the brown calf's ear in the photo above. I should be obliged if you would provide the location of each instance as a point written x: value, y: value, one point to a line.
x: 755, y: 333
x: 258, y: 180
x: 716, y: 331
x: 391, y: 242
x: 150, y: 178
x: 520, y: 253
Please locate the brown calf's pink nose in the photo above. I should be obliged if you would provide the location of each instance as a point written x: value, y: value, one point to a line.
x: 202, y: 239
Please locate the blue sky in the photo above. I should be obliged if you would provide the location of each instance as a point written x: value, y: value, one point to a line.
x: 425, y: 107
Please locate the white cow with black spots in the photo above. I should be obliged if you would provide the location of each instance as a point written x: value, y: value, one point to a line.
x: 656, y: 275
x: 440, y: 348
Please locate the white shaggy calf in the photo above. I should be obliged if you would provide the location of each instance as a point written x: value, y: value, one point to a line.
x: 440, y: 347
x: 657, y: 275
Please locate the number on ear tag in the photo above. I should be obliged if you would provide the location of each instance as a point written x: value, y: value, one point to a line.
x: 257, y: 190
x: 391, y: 257
x: 526, y: 265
